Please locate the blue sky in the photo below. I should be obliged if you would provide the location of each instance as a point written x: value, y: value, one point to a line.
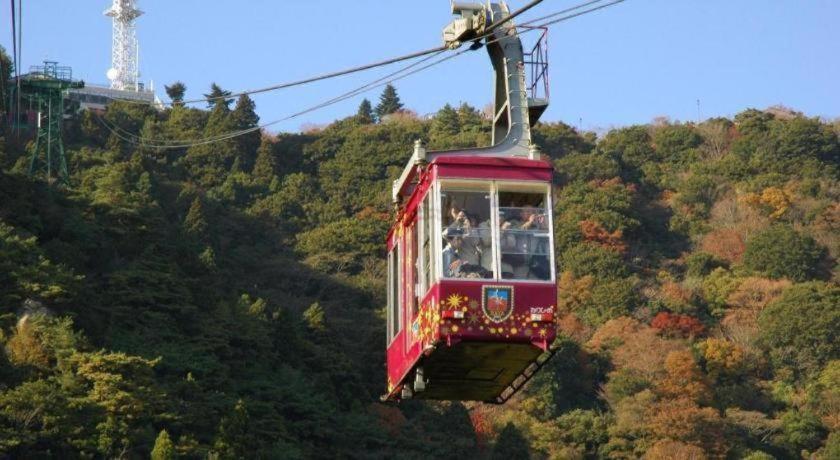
x: 626, y: 64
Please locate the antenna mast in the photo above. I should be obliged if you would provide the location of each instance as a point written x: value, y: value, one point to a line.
x: 124, y: 72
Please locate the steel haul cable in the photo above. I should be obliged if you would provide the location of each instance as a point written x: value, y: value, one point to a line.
x: 190, y: 142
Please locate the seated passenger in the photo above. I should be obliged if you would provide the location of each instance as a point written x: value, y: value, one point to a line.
x: 526, y: 249
x: 461, y: 256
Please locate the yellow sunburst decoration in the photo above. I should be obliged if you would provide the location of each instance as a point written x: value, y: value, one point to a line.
x: 454, y: 301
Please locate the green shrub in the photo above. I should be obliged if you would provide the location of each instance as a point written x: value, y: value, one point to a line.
x: 701, y: 264
x: 781, y: 252
x: 800, y: 328
x: 590, y: 259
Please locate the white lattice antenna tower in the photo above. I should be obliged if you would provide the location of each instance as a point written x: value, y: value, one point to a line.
x: 125, y: 71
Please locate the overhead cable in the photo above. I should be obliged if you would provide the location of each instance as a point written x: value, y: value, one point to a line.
x: 360, y: 68
x: 377, y: 83
x: 180, y: 143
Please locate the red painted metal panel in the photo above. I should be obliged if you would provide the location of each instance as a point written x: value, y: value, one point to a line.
x: 493, y: 168
x: 480, y: 324
x: 508, y: 320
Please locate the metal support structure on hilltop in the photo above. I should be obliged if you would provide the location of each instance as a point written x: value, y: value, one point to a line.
x: 125, y: 68
x: 45, y: 87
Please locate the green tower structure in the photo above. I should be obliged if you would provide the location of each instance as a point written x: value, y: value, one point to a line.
x: 45, y: 89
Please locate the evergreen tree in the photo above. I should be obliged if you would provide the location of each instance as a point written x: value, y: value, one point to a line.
x: 164, y: 449
x: 314, y: 317
x: 265, y: 168
x: 217, y: 94
x: 234, y: 439
x: 195, y: 223
x: 209, y: 163
x: 244, y: 116
x: 511, y: 444
x: 176, y: 92
x: 469, y: 117
x: 447, y: 122
x: 389, y: 102
x: 365, y: 112
x: 6, y: 68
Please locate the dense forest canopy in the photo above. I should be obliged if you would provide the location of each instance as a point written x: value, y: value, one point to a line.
x: 227, y: 300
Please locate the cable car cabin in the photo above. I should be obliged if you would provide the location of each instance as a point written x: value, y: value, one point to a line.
x: 471, y: 282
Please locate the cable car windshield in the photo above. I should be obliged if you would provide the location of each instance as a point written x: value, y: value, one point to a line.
x: 524, y: 240
x: 503, y: 238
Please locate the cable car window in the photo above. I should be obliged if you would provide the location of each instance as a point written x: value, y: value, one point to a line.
x: 467, y: 234
x: 428, y: 230
x: 393, y: 293
x: 413, y: 267
x: 524, y: 238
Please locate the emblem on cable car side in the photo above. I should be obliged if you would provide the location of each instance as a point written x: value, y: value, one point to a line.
x: 497, y: 302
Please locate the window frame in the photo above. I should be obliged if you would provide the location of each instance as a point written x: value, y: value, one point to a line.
x: 493, y: 186
x: 426, y: 253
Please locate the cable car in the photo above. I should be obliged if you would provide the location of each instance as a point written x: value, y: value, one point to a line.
x: 471, y: 275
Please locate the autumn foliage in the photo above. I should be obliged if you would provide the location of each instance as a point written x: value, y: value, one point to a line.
x: 774, y: 200
x: 676, y: 325
x: 593, y: 231
x: 725, y: 243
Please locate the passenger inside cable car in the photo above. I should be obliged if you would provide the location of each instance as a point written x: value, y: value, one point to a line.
x: 523, y: 229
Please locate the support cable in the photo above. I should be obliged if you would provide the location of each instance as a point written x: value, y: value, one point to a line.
x: 513, y: 15
x: 319, y: 77
x: 190, y: 142
x: 580, y: 13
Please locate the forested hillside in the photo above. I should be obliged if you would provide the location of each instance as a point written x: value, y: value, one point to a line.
x: 227, y: 299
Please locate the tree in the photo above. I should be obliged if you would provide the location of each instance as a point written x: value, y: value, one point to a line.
x: 6, y: 69
x: 244, y: 117
x: 800, y: 328
x: 176, y: 92
x: 684, y: 421
x: 667, y: 449
x: 684, y: 378
x: 801, y: 430
x: 164, y: 449
x: 365, y: 112
x: 781, y: 252
x: 469, y: 117
x: 511, y: 444
x: 389, y: 102
x: 26, y: 273
x: 123, y: 388
x: 235, y: 438
x: 265, y: 167
x: 447, y: 122
x: 209, y: 163
x: 217, y: 94
x: 700, y: 264
x: 673, y: 324
x: 195, y: 223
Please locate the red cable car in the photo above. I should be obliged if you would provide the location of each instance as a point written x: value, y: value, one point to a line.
x: 471, y: 278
